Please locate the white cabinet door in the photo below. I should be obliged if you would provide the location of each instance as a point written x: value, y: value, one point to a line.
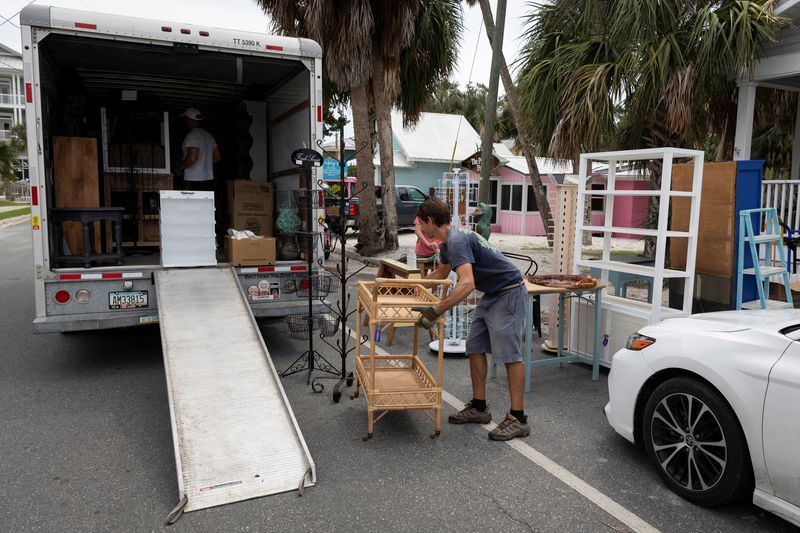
x: 782, y: 426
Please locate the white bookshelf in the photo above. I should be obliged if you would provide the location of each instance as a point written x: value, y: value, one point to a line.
x: 653, y: 312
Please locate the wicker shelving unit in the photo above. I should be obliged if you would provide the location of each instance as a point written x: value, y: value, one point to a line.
x: 398, y: 382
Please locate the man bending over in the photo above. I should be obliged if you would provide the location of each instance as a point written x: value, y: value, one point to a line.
x: 496, y: 323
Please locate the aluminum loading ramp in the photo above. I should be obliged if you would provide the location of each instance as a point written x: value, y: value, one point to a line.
x: 234, y: 432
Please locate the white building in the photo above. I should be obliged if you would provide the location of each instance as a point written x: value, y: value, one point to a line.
x: 12, y: 97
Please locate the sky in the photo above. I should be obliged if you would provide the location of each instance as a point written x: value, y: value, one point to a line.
x: 245, y: 15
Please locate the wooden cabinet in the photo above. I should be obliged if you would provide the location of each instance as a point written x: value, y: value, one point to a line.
x: 76, y: 183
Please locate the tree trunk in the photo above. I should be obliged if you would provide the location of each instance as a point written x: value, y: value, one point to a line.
x: 383, y: 106
x: 490, y: 113
x: 368, y: 211
x: 586, y: 236
x: 523, y: 133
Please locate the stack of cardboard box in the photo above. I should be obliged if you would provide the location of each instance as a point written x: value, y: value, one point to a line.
x: 251, y: 207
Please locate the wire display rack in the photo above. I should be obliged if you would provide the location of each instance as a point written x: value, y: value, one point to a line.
x: 302, y: 326
x: 319, y: 286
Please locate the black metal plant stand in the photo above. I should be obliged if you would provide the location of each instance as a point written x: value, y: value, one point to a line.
x: 309, y: 360
x: 341, y: 310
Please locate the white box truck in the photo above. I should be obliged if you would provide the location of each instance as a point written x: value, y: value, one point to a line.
x: 104, y: 98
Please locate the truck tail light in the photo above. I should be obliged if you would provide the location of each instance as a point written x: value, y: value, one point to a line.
x: 352, y: 210
x: 62, y: 296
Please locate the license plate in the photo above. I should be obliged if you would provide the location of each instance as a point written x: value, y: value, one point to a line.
x: 127, y: 299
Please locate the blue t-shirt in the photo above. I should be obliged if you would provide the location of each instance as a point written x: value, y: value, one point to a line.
x: 490, y: 268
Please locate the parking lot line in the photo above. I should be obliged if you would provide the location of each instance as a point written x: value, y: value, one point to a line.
x: 605, y: 503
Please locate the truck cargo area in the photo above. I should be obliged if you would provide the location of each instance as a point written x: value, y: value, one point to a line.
x: 111, y: 116
x: 234, y: 432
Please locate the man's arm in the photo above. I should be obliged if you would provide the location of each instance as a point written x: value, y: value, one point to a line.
x: 191, y: 157
x: 217, y: 156
x: 464, y: 287
x: 421, y: 236
x: 441, y: 272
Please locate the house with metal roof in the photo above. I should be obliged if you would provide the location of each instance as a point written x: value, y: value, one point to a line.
x: 423, y: 152
x: 514, y: 208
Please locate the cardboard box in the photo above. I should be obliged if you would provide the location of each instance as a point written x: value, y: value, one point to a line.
x: 250, y: 252
x: 258, y: 224
x: 251, y: 206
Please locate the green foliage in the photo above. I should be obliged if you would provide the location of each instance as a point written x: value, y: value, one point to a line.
x: 636, y: 73
x: 10, y: 152
x: 447, y: 97
x: 431, y: 55
x: 774, y: 146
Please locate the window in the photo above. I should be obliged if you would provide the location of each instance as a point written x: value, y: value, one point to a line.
x: 532, y: 205
x: 402, y: 192
x: 474, y: 189
x: 516, y: 197
x: 598, y: 202
x: 511, y: 199
x: 493, y: 190
x: 416, y: 195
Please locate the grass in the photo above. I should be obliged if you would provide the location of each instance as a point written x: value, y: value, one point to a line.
x: 15, y: 213
x: 6, y: 203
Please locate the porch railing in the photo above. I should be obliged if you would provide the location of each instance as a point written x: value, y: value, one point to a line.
x: 783, y: 195
x: 11, y: 99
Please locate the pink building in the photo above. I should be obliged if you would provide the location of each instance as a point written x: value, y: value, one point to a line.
x: 514, y: 205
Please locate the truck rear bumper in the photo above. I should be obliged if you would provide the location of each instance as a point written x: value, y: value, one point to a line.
x: 95, y: 321
x: 92, y: 321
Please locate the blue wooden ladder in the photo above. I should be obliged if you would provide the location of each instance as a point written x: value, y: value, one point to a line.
x: 767, y: 231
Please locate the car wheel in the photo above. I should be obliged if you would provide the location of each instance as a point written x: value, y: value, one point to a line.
x: 694, y: 440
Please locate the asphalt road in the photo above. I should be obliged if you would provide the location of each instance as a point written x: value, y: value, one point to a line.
x: 86, y: 445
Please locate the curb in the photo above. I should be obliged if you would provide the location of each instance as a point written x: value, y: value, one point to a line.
x: 14, y: 221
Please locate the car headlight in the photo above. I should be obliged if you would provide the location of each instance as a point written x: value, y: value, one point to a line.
x: 638, y: 342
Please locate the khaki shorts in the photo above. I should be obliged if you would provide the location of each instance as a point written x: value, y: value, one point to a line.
x: 497, y: 325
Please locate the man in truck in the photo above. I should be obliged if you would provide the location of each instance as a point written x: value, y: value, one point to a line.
x: 200, y: 153
x: 497, y: 322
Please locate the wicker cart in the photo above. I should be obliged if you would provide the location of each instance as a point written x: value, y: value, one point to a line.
x: 397, y: 382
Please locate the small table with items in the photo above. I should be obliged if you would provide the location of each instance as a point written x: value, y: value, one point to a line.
x: 562, y: 355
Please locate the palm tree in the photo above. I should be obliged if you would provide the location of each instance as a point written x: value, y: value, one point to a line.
x: 638, y: 74
x: 663, y: 71
x: 367, y: 45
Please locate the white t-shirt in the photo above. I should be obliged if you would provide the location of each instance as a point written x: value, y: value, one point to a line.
x: 203, y: 167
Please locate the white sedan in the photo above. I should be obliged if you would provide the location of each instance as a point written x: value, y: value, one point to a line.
x: 715, y: 400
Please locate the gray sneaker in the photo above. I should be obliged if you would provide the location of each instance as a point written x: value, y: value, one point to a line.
x: 470, y: 414
x: 510, y: 428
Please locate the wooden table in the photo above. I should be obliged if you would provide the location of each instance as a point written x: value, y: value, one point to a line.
x: 86, y: 216
x: 562, y: 355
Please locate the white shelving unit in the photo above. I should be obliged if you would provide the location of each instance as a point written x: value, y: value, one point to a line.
x: 622, y: 314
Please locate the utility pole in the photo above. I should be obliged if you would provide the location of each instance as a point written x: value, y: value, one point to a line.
x: 490, y: 114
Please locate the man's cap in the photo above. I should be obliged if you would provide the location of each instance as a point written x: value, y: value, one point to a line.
x: 192, y: 113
